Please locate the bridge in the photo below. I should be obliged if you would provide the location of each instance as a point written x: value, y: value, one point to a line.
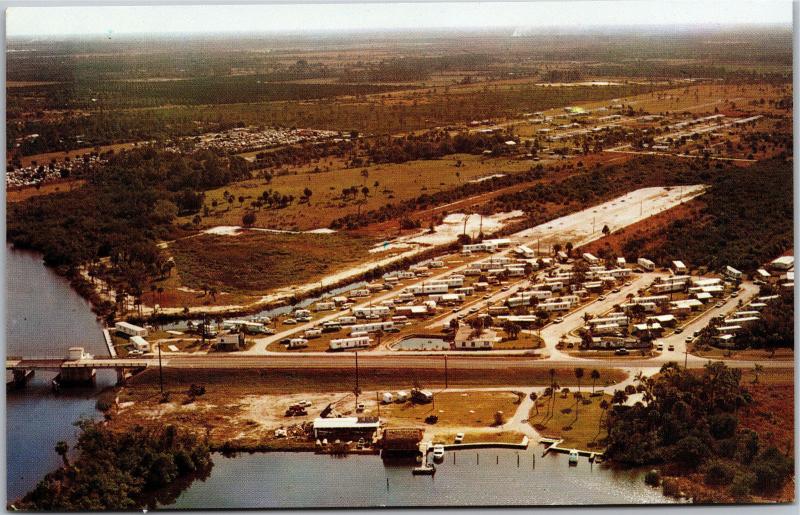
x: 71, y: 371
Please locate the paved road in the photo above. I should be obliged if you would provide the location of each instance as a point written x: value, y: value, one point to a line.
x: 463, y: 361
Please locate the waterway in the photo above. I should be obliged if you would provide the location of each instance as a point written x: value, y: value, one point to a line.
x: 488, y: 477
x: 45, y: 316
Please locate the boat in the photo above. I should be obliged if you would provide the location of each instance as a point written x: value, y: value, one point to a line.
x: 573, y: 457
x: 427, y: 470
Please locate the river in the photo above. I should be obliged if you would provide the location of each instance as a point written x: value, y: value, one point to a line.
x: 45, y: 316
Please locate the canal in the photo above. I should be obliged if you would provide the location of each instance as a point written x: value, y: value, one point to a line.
x: 45, y: 316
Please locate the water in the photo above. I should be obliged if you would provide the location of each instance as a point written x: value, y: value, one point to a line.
x: 297, y: 480
x: 422, y: 343
x: 44, y: 316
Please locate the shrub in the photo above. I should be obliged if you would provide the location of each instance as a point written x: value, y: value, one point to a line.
x: 690, y: 452
x: 669, y: 487
x: 719, y: 472
x: 741, y: 486
x: 771, y: 469
x: 652, y: 478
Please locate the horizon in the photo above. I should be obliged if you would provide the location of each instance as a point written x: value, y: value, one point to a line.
x: 283, y: 19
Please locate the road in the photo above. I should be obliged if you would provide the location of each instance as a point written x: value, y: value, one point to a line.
x: 455, y: 361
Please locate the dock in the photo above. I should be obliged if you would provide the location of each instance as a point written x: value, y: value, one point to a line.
x: 553, y: 444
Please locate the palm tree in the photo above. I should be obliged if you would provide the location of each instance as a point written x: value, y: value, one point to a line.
x: 603, y: 406
x: 579, y: 376
x: 619, y: 398
x: 61, y: 449
x: 595, y: 375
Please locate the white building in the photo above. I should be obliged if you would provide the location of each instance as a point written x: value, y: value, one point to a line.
x: 130, y: 329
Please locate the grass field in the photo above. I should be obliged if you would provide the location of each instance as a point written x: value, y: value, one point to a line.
x: 387, y: 183
x: 579, y: 432
x: 448, y: 437
x: 257, y: 261
x: 461, y: 409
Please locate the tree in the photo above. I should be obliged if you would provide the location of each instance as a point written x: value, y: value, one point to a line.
x: 606, y: 230
x: 595, y: 375
x: 579, y: 376
x: 62, y: 448
x: 249, y: 219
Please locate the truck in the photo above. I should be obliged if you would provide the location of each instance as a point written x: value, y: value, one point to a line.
x: 420, y: 396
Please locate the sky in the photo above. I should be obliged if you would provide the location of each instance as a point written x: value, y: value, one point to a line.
x: 89, y: 20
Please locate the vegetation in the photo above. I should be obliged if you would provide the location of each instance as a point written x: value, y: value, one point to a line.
x: 111, y: 225
x: 127, y: 470
x: 774, y: 328
x: 256, y: 261
x: 690, y: 423
x: 747, y: 221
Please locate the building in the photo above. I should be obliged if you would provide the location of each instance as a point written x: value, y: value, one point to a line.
x: 732, y: 272
x: 229, y: 341
x: 140, y: 343
x: 130, y: 329
x: 679, y: 267
x: 646, y: 264
x: 346, y: 428
x: 401, y: 440
x: 349, y: 343
x: 782, y: 263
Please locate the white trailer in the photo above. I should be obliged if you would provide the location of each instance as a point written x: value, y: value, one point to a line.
x: 130, y: 329
x: 437, y: 287
x: 324, y: 306
x: 349, y: 343
x: 646, y: 264
x: 371, y: 328
x: 371, y: 311
x: 298, y: 343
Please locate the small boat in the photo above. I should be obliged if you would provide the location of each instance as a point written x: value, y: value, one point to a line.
x: 427, y: 470
x: 438, y: 452
x: 573, y: 457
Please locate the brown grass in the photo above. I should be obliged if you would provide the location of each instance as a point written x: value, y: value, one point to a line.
x: 255, y: 261
x: 582, y: 432
x: 470, y: 409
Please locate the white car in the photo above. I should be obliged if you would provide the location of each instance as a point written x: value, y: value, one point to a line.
x: 438, y: 451
x: 558, y: 320
x: 459, y: 437
x: 290, y: 321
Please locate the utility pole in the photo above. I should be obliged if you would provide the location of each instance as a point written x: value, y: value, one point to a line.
x: 160, y: 371
x: 445, y: 371
x: 686, y: 356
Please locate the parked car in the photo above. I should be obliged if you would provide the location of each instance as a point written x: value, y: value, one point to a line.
x: 671, y: 348
x: 621, y: 352
x: 290, y: 321
x: 601, y: 297
x: 438, y: 452
x: 659, y: 347
x: 678, y: 330
x: 689, y: 339
x: 558, y: 320
x: 459, y: 438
